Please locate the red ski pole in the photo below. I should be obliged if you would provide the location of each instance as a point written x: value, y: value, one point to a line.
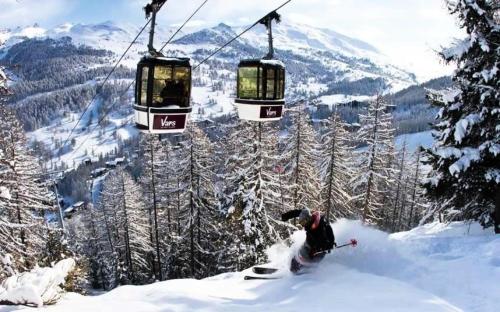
x: 352, y: 243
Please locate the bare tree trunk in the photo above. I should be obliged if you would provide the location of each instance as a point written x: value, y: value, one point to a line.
x: 191, y: 204
x: 330, y: 180
x: 403, y: 204
x: 155, y: 212
x: 371, y: 165
x: 297, y: 171
x: 400, y: 176
x: 413, y: 196
x: 128, y: 252
x: 497, y: 211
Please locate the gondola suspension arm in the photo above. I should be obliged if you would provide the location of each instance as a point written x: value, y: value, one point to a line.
x: 240, y: 34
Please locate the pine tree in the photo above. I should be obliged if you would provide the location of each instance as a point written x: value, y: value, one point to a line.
x: 372, y: 175
x: 465, y: 159
x: 135, y: 229
x: 155, y: 162
x: 244, y: 200
x: 91, y: 239
x: 399, y: 196
x: 301, y: 167
x: 276, y: 193
x: 417, y: 201
x: 200, y: 236
x: 105, y: 256
x: 336, y: 170
x: 4, y: 91
x: 24, y: 201
x: 127, y: 228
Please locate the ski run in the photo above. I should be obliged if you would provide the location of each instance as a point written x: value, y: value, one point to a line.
x: 434, y: 267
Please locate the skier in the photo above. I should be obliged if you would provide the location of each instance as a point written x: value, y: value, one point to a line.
x: 319, y: 238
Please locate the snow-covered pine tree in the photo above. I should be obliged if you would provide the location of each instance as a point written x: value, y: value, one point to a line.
x: 301, y: 166
x: 389, y: 190
x: 4, y: 91
x: 465, y: 159
x: 416, y: 201
x: 336, y: 170
x: 400, y: 179
x: 170, y: 192
x: 135, y: 228
x: 372, y: 175
x: 127, y: 220
x: 224, y: 158
x: 111, y: 244
x: 276, y: 193
x: 91, y: 238
x: 154, y: 168
x: 244, y: 200
x: 201, y: 238
x: 105, y: 256
x: 23, y: 199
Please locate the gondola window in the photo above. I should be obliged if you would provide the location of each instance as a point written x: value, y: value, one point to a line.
x: 248, y: 82
x: 144, y: 86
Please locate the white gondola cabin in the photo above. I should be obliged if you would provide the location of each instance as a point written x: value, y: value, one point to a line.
x: 261, y: 83
x: 260, y: 90
x: 162, y: 94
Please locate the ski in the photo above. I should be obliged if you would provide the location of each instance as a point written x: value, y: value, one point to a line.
x: 249, y: 277
x: 263, y: 270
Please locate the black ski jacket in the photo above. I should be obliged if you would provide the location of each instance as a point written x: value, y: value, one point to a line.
x: 319, y: 233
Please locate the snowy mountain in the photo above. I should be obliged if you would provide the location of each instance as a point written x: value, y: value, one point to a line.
x: 435, y: 267
x: 320, y: 64
x: 343, y: 54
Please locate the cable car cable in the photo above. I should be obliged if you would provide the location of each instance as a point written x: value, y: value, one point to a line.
x: 133, y: 81
x: 99, y: 88
x: 239, y: 35
x: 207, y: 58
x: 194, y: 68
x: 182, y: 26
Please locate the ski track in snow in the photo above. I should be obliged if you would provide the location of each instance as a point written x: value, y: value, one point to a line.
x: 435, y: 267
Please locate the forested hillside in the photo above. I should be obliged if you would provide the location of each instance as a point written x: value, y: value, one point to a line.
x: 54, y: 77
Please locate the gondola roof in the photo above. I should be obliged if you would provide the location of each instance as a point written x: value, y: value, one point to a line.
x: 261, y: 62
x: 179, y: 61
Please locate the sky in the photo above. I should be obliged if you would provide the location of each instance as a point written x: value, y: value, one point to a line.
x: 408, y: 32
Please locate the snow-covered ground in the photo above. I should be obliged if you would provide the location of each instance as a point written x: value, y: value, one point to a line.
x: 435, y: 267
x: 89, y: 138
x: 415, y: 140
x: 335, y: 99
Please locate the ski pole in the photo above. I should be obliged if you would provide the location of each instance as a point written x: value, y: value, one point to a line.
x: 352, y: 243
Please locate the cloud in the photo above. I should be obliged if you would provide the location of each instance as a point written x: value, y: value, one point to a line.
x: 27, y: 12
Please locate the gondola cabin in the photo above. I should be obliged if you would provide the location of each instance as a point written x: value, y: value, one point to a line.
x: 162, y: 94
x: 260, y: 90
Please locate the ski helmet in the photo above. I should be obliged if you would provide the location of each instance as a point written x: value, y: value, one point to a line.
x: 305, y: 217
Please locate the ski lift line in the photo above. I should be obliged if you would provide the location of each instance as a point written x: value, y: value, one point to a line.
x: 238, y: 36
x: 218, y: 50
x: 106, y: 79
x: 134, y: 80
x: 182, y: 26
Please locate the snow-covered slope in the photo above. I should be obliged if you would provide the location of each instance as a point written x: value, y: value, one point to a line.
x: 414, y: 141
x: 435, y: 267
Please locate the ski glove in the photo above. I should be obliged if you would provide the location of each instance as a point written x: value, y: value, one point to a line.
x: 290, y: 214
